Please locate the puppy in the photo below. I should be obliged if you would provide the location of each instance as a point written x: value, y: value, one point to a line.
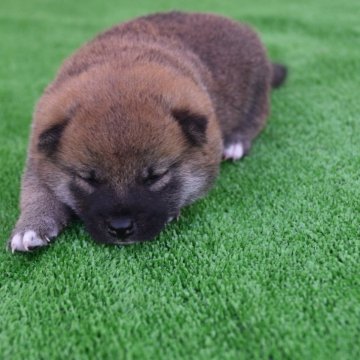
x: 136, y: 123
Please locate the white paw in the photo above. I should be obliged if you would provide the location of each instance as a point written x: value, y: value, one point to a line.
x: 174, y: 217
x: 26, y: 241
x: 234, y: 151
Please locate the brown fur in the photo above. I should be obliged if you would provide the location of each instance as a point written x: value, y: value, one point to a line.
x: 165, y: 91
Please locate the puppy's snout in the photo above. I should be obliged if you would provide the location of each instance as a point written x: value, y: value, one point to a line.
x: 121, y: 227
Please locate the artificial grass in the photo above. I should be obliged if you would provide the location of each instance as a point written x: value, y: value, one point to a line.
x: 265, y: 267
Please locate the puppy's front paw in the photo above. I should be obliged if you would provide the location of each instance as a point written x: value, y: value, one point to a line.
x: 26, y: 241
x: 234, y: 151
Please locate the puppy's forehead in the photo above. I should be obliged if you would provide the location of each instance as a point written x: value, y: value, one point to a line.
x: 123, y: 138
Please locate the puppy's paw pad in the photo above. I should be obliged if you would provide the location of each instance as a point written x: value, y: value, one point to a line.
x: 234, y: 151
x: 27, y: 241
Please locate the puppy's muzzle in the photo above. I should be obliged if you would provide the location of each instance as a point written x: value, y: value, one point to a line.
x: 121, y: 227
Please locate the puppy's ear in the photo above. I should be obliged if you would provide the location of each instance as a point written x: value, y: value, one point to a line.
x: 49, y: 139
x: 193, y: 125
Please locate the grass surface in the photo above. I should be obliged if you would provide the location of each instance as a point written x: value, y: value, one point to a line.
x: 266, y: 267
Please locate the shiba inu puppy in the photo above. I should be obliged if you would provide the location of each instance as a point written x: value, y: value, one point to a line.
x: 136, y: 123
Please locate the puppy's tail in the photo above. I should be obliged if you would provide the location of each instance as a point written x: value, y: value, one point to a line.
x: 279, y: 75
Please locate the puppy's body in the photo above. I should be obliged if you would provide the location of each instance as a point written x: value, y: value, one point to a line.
x: 223, y: 56
x: 135, y: 124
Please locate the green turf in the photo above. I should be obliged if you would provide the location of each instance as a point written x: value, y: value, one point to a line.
x: 266, y: 267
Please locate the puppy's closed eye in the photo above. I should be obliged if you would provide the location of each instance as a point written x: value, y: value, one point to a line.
x: 89, y: 177
x: 156, y: 179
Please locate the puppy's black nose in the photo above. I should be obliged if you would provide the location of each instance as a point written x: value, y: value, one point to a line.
x: 121, y: 227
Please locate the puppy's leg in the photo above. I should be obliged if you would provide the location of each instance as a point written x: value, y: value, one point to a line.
x: 42, y: 215
x: 237, y: 142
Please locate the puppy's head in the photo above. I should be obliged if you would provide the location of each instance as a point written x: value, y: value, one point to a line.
x: 127, y: 153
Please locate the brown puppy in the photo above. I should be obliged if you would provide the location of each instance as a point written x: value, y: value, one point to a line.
x: 135, y: 125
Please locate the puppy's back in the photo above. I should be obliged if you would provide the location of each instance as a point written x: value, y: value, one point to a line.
x: 237, y: 61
